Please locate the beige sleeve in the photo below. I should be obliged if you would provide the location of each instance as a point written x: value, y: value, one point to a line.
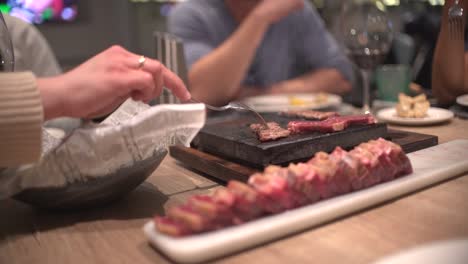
x: 21, y: 117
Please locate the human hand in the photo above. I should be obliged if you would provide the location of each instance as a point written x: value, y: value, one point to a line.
x: 275, y: 10
x: 102, y: 83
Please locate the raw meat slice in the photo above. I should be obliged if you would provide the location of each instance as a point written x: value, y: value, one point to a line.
x: 278, y: 189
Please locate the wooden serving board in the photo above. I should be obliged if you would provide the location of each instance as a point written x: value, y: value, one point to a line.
x: 225, y: 169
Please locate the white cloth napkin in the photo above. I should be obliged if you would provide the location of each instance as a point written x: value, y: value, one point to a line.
x: 133, y: 133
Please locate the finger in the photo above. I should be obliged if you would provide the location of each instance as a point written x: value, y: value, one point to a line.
x: 141, y: 85
x: 176, y: 85
x: 159, y: 83
x: 171, y: 80
x: 299, y: 5
x: 155, y: 68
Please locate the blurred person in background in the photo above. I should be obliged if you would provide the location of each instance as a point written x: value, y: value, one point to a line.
x: 423, y: 27
x: 239, y: 48
x: 450, y: 64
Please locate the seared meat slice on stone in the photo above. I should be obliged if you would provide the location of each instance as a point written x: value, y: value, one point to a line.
x: 273, y: 132
x: 331, y: 124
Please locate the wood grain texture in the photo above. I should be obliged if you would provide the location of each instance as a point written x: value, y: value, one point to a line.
x: 112, y: 234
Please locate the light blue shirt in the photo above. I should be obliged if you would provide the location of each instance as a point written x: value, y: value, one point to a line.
x: 292, y: 47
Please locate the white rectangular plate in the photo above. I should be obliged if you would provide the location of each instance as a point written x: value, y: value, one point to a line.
x: 430, y: 166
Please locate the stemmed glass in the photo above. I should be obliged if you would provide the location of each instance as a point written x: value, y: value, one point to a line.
x: 367, y: 35
x: 7, y: 57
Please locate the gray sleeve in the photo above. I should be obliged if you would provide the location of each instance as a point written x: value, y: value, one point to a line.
x: 187, y: 24
x: 319, y: 49
x: 32, y: 51
x: 44, y: 63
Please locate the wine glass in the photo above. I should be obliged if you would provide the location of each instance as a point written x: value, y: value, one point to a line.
x: 7, y: 57
x: 367, y: 35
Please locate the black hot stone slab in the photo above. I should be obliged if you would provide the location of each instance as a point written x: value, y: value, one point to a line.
x: 229, y: 136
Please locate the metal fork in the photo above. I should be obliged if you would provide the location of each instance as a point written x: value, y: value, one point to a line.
x: 455, y: 20
x: 235, y: 106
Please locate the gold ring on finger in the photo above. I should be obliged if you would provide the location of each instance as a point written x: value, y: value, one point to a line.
x: 141, y: 62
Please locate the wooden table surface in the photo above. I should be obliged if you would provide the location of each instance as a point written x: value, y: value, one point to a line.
x: 113, y: 234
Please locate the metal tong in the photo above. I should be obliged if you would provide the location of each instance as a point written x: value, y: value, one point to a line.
x: 235, y: 106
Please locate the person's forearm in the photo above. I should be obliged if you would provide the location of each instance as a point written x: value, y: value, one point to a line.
x: 448, y: 69
x: 51, y: 96
x: 216, y: 78
x: 324, y: 80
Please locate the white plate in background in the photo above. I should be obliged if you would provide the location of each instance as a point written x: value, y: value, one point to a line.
x: 463, y: 100
x: 434, y: 116
x: 299, y: 101
x: 451, y: 251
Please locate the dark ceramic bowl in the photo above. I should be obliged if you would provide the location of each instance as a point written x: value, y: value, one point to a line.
x: 94, y: 192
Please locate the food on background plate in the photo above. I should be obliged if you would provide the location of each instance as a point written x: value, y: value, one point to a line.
x: 273, y: 132
x: 332, y: 124
x: 462, y: 100
x: 278, y: 189
x: 318, y: 98
x: 412, y: 107
x: 309, y: 114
